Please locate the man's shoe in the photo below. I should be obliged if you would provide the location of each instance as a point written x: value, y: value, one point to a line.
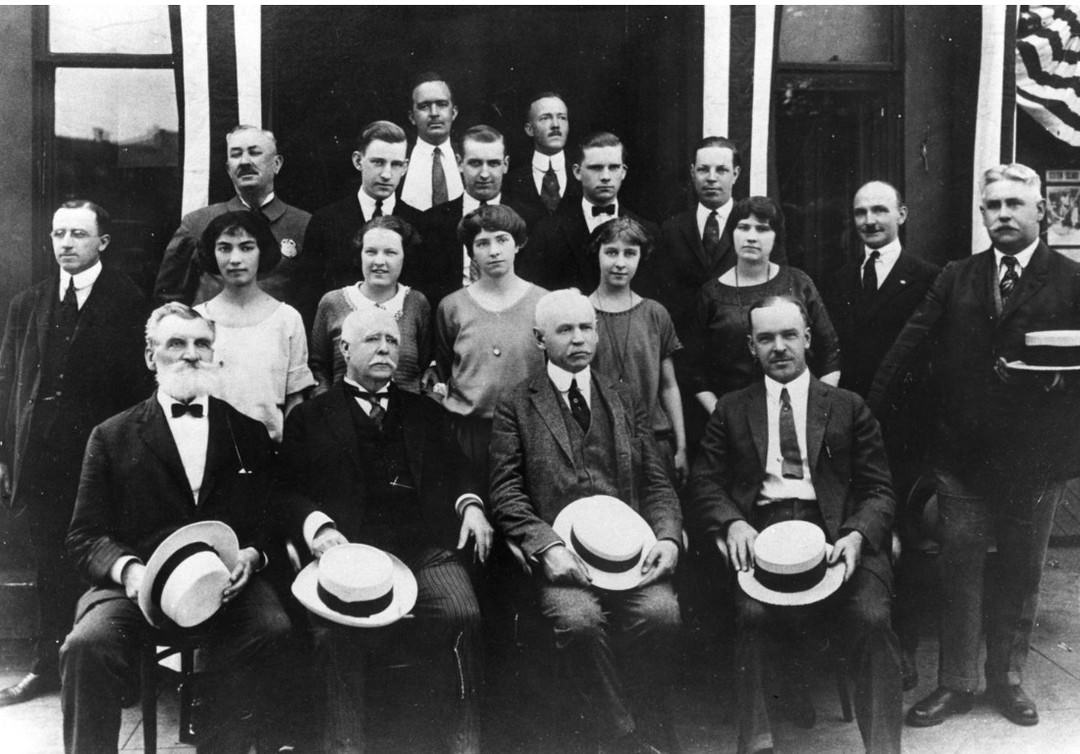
x: 934, y: 709
x: 909, y: 671
x: 1014, y: 704
x: 30, y: 686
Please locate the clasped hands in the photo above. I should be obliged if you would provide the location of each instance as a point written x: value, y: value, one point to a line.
x: 740, y: 547
x: 563, y: 566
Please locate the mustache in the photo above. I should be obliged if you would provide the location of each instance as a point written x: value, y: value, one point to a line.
x: 184, y: 381
x: 247, y: 170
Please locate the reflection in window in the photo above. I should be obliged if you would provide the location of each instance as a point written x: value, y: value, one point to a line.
x: 131, y: 29
x: 836, y: 34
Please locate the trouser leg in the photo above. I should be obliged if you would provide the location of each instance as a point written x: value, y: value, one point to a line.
x: 755, y: 624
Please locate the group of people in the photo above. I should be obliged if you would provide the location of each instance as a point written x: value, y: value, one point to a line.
x: 447, y: 361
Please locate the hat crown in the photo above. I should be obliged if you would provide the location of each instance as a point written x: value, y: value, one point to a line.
x: 191, y: 593
x: 356, y: 573
x: 604, y: 528
x: 789, y: 547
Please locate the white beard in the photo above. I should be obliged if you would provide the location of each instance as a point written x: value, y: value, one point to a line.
x: 184, y: 382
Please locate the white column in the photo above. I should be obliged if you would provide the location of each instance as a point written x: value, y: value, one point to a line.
x: 716, y: 83
x: 196, y: 190
x: 764, y: 26
x: 988, y: 118
x: 247, y: 20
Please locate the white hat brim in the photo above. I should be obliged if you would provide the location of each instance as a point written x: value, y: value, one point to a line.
x: 305, y: 588
x: 830, y: 582
x: 613, y: 582
x: 217, y: 534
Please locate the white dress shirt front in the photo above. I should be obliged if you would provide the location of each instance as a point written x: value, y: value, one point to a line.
x: 416, y: 190
x: 776, y: 486
x: 84, y: 282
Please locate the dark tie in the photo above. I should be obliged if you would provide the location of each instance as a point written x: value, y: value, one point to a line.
x: 1010, y: 278
x: 378, y: 209
x: 579, y: 409
x: 605, y: 210
x: 549, y: 189
x: 792, y: 466
x: 377, y: 412
x: 194, y: 409
x: 438, y: 178
x: 869, y: 273
x: 69, y: 307
x: 710, y: 239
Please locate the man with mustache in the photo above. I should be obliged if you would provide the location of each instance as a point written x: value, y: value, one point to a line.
x: 432, y: 179
x: 792, y: 448
x: 69, y: 359
x: 544, y: 182
x: 253, y: 162
x: 1003, y: 444
x: 177, y: 457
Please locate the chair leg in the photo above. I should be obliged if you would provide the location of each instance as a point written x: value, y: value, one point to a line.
x: 842, y: 688
x: 148, y: 694
x: 187, y: 695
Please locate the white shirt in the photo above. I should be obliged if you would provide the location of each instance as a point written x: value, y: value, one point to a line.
x: 594, y: 221
x: 416, y: 190
x: 562, y: 379
x: 887, y: 256
x: 367, y: 204
x: 84, y: 281
x: 269, y: 198
x: 722, y: 214
x: 775, y: 486
x: 382, y: 395
x: 540, y: 164
x: 1022, y: 257
x: 471, y: 204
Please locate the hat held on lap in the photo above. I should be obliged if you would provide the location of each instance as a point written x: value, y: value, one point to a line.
x: 791, y: 566
x: 187, y: 574
x: 610, y: 537
x: 357, y: 585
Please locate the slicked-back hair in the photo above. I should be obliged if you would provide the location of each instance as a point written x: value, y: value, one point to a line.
x: 264, y: 131
x: 557, y: 301
x: 481, y: 134
x: 773, y: 301
x: 544, y: 95
x: 763, y: 208
x: 720, y: 142
x: 230, y: 222
x: 426, y: 77
x: 172, y: 309
x: 599, y: 139
x: 410, y: 238
x: 492, y: 217
x: 1013, y: 171
x: 625, y: 229
x: 101, y: 216
x: 379, y: 130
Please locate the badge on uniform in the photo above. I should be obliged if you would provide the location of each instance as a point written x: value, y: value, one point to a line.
x: 288, y: 248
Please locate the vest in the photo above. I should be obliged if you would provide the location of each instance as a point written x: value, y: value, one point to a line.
x: 594, y: 456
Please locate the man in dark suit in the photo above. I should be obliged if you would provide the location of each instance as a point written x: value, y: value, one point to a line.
x: 69, y: 360
x: 543, y: 457
x: 380, y: 159
x: 175, y: 458
x: 1004, y: 441
x: 367, y: 462
x: 557, y: 254
x: 544, y: 182
x: 444, y: 264
x: 252, y: 161
x: 433, y: 179
x: 791, y: 447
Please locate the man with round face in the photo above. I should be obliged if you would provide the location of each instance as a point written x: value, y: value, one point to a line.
x: 545, y: 180
x: 69, y: 360
x: 569, y: 411
x: 1003, y: 443
x: 432, y: 178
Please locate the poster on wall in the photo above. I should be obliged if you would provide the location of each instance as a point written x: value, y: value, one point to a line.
x: 1063, y: 211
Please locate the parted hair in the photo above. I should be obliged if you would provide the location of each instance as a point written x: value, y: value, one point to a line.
x: 492, y: 217
x: 230, y: 222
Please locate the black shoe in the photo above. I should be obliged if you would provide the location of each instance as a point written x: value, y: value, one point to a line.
x: 30, y: 686
x: 909, y: 671
x: 934, y: 709
x: 1014, y: 704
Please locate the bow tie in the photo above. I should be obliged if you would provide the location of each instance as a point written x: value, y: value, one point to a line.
x: 374, y: 398
x: 605, y: 210
x: 179, y: 409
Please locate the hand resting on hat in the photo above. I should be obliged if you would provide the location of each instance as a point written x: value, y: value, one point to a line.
x: 740, y: 545
x: 660, y: 561
x: 325, y: 538
x: 848, y: 547
x: 249, y: 562
x: 475, y: 524
x: 563, y: 566
x: 132, y: 578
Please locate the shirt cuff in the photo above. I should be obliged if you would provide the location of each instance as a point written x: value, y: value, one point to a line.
x: 465, y: 501
x: 116, y: 573
x: 315, y: 521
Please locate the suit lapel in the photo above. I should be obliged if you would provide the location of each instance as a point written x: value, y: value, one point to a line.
x: 619, y: 421
x: 42, y: 309
x: 220, y: 448
x: 155, y: 434
x: 693, y: 240
x: 546, y: 403
x: 817, y: 418
x: 986, y: 281
x: 412, y: 431
x: 1033, y: 279
x: 757, y: 419
x: 337, y: 416
x: 897, y: 281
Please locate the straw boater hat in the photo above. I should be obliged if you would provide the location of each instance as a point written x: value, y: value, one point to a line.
x: 610, y: 537
x: 1050, y: 351
x: 187, y: 573
x: 357, y: 585
x: 791, y: 566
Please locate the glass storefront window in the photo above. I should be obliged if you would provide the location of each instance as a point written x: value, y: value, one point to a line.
x: 841, y: 34
x: 119, y: 29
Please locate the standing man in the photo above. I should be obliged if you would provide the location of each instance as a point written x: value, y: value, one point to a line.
x: 558, y: 256
x: 1004, y: 442
x: 792, y: 448
x: 379, y: 157
x: 542, y: 184
x: 433, y: 179
x: 569, y: 433
x: 253, y: 162
x: 70, y: 359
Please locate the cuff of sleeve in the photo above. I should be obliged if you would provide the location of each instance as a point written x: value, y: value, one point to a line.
x: 465, y: 501
x: 117, y: 571
x: 315, y: 521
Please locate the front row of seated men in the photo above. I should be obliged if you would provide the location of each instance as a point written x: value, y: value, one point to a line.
x: 367, y: 462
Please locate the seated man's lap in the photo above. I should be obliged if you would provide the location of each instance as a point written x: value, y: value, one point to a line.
x: 576, y: 609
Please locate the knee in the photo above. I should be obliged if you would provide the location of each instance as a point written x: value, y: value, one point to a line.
x: 577, y: 622
x: 751, y: 616
x: 661, y: 614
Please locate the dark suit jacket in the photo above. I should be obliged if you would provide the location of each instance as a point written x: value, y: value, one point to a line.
x: 330, y: 234
x: 989, y: 431
x: 868, y: 327
x: 556, y: 255
x: 105, y: 373
x: 846, y: 458
x: 533, y: 473
x: 134, y: 492
x: 321, y: 469
x: 520, y: 187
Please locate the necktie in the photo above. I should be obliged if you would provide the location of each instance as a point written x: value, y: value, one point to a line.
x: 378, y: 209
x: 710, y: 239
x: 438, y: 178
x: 605, y: 210
x: 69, y: 306
x: 869, y: 274
x: 549, y: 189
x: 579, y: 409
x: 377, y: 412
x: 194, y: 409
x: 792, y: 466
x: 1010, y: 278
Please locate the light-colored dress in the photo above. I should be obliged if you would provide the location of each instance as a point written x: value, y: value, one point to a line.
x: 261, y: 364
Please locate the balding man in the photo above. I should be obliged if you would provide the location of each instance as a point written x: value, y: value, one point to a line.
x: 433, y: 178
x: 543, y: 183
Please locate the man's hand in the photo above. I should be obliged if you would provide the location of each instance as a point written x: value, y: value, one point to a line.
x: 740, y: 545
x: 563, y: 566
x: 5, y: 486
x: 249, y: 560
x: 660, y: 561
x: 848, y: 547
x: 324, y: 539
x: 475, y: 524
x: 682, y: 467
x: 132, y: 578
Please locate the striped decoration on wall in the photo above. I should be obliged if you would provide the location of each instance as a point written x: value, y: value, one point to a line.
x: 1047, y: 70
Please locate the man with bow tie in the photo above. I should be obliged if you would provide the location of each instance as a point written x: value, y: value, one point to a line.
x: 177, y: 457
x: 367, y: 462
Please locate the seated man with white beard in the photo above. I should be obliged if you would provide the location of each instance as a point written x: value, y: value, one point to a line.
x: 176, y: 458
